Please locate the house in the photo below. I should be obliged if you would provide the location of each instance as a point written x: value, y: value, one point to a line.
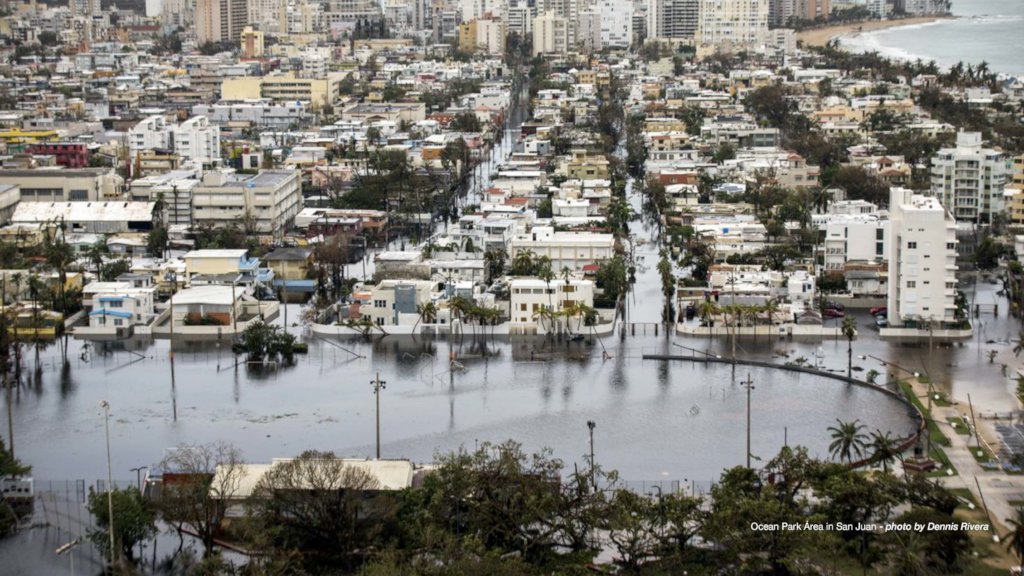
x: 291, y: 267
x: 571, y: 250
x: 118, y: 305
x: 394, y: 302
x: 216, y: 262
x: 530, y: 297
x: 210, y: 305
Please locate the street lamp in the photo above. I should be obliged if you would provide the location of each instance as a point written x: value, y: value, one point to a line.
x: 593, y: 474
x: 138, y: 475
x: 172, y: 277
x: 110, y: 482
x: 378, y: 385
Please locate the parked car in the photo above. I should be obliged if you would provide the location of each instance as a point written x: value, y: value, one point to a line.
x: 833, y: 313
x: 879, y: 310
x: 881, y: 321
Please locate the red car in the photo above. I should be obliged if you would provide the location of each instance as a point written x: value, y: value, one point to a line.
x: 833, y: 313
x: 879, y: 310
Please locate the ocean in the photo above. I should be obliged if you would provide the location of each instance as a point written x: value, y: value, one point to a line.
x: 983, y: 30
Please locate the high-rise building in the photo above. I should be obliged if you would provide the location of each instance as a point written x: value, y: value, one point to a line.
x: 922, y: 261
x: 588, y: 31
x: 674, y: 19
x: 616, y: 22
x: 550, y: 34
x: 781, y: 12
x: 520, y: 18
x: 220, y: 20
x: 969, y: 179
x: 732, y: 23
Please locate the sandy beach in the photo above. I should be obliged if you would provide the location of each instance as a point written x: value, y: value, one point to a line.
x: 821, y: 36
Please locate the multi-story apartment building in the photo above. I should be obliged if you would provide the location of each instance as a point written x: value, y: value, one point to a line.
x: 672, y: 19
x: 922, y: 260
x: 781, y: 12
x: 194, y: 141
x: 264, y: 204
x: 63, y: 185
x: 616, y: 23
x: 220, y: 20
x: 732, y: 24
x: 852, y: 238
x: 969, y: 179
x: 520, y: 17
x: 261, y: 113
x: 550, y: 34
x: 572, y: 250
x: 528, y: 296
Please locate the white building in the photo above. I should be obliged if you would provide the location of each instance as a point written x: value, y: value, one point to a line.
x: 922, y: 260
x: 732, y: 24
x: 528, y: 296
x: 550, y: 34
x: 393, y: 302
x: 572, y: 250
x: 118, y: 304
x: 265, y: 203
x: 258, y: 113
x: 672, y: 19
x: 520, y: 18
x: 588, y: 35
x: 616, y: 23
x: 195, y: 141
x: 969, y: 180
x: 847, y: 238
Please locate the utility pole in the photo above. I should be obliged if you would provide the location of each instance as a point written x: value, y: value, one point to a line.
x: 593, y: 474
x: 378, y: 385
x: 749, y: 385
x: 110, y: 483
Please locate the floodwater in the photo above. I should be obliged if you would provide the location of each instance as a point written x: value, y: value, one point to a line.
x: 655, y: 420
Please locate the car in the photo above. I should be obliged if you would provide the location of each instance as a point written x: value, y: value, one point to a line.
x: 833, y: 313
x: 879, y: 310
x: 835, y: 306
x: 881, y: 321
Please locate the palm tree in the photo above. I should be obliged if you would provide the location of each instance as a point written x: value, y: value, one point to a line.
x: 59, y: 255
x: 706, y: 310
x: 850, y: 332
x: 545, y: 273
x: 427, y: 314
x: 522, y: 263
x: 1015, y: 538
x: 848, y: 440
x: 884, y: 448
x: 95, y: 254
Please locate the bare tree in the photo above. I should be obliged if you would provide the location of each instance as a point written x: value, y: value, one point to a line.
x: 200, y: 480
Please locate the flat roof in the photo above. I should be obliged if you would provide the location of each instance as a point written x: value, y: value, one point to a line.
x: 83, y: 212
x: 216, y: 253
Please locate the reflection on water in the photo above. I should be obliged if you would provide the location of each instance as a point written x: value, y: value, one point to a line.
x: 654, y: 419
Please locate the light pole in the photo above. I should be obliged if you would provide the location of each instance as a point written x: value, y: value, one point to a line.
x: 172, y: 277
x: 749, y: 385
x: 138, y: 475
x: 378, y: 385
x: 110, y: 482
x: 593, y: 474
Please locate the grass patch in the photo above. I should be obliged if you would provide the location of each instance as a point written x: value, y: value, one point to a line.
x: 963, y: 493
x: 933, y: 428
x: 942, y: 401
x: 985, y: 456
x: 959, y: 426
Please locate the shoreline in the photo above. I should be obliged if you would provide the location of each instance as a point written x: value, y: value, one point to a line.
x: 821, y: 36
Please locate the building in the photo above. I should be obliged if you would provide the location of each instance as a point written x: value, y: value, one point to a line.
x: 10, y: 195
x: 732, y: 24
x: 265, y: 203
x: 58, y: 185
x: 848, y: 238
x: 784, y: 12
x: 287, y: 87
x: 922, y: 260
x: 114, y: 305
x: 530, y: 296
x: 672, y: 19
x: 88, y: 217
x: 194, y: 141
x: 67, y: 154
x: 260, y: 113
x: 252, y: 43
x: 572, y: 250
x: 550, y: 34
x: 616, y: 17
x: 394, y: 302
x: 969, y: 179
x: 220, y: 20
x: 520, y: 18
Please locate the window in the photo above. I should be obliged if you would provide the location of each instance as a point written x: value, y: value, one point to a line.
x: 950, y: 246
x: 911, y: 245
x: 911, y: 284
x: 522, y: 307
x: 114, y: 304
x: 879, y: 233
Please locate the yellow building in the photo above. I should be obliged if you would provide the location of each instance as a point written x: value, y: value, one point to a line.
x: 319, y: 92
x: 467, y: 36
x: 252, y: 43
x: 1017, y: 178
x: 1015, y: 190
x: 19, y: 136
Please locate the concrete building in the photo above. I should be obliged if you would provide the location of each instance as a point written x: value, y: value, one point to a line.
x: 732, y: 24
x: 672, y: 19
x: 393, y: 302
x: 572, y: 250
x: 922, y: 260
x: 57, y: 185
x: 969, y: 179
x: 520, y: 17
x: 220, y: 20
x: 252, y: 43
x: 529, y: 296
x: 116, y: 305
x: 263, y: 204
x: 260, y: 113
x: 551, y: 34
x: 220, y: 262
x: 616, y: 23
x: 782, y: 12
x: 318, y: 92
x: 88, y: 217
x: 194, y: 141
x: 861, y: 238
